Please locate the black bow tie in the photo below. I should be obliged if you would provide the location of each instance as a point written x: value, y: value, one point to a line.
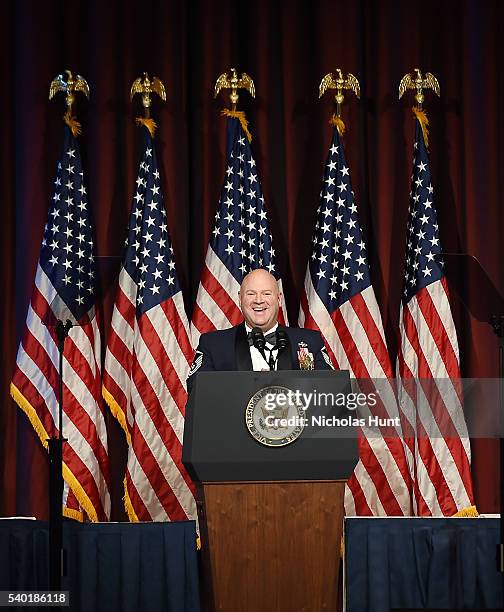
x: 270, y: 338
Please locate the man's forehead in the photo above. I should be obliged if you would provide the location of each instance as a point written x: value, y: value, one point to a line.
x: 258, y: 287
x: 259, y: 280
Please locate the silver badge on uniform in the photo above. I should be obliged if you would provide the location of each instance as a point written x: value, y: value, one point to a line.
x: 326, y: 357
x: 196, y: 364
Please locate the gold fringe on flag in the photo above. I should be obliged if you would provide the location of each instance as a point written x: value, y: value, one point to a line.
x: 338, y: 123
x: 240, y: 115
x: 70, y: 479
x: 469, y: 512
x: 424, y: 123
x: 73, y: 514
x: 116, y: 411
x: 150, y: 124
x: 128, y: 505
x: 73, y: 124
x: 82, y: 498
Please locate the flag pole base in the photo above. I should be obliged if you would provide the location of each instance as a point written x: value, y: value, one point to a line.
x: 56, y: 551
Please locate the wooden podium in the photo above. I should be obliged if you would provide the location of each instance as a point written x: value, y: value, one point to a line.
x: 270, y: 518
x: 270, y: 546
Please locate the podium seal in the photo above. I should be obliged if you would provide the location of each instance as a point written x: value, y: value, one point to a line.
x: 274, y: 416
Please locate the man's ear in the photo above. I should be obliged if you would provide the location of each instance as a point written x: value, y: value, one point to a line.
x: 280, y: 295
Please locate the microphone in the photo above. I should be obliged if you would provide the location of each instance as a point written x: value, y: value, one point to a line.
x: 281, y: 340
x: 258, y: 339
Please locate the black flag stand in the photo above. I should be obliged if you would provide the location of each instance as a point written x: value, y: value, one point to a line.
x: 486, y: 305
x: 60, y: 320
x: 56, y: 551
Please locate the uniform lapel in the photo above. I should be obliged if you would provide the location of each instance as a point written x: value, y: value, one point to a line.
x: 242, y: 349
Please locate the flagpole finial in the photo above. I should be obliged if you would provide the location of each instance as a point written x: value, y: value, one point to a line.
x: 339, y: 83
x: 419, y: 84
x: 143, y: 85
x: 69, y: 86
x: 234, y: 83
x: 146, y: 87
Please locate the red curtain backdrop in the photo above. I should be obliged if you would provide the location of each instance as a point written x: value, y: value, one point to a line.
x: 286, y: 47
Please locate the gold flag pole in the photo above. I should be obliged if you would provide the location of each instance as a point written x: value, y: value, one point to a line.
x: 339, y: 83
x: 146, y: 87
x: 234, y: 83
x: 418, y: 83
x: 69, y: 87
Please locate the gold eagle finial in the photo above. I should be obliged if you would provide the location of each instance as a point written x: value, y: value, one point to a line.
x: 146, y: 87
x: 339, y: 84
x: 70, y: 86
x: 234, y: 83
x: 419, y: 84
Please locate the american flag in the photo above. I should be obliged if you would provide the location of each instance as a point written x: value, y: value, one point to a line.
x: 241, y: 240
x: 65, y: 289
x: 147, y: 359
x: 435, y: 428
x: 339, y: 300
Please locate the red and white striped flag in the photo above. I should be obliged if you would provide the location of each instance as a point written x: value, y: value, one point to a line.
x: 339, y: 301
x: 148, y: 359
x: 64, y: 289
x: 428, y: 361
x: 241, y: 241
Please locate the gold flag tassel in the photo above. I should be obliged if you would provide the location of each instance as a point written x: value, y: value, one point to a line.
x: 73, y: 124
x: 338, y: 123
x: 424, y: 123
x: 147, y: 122
x: 240, y: 115
x: 233, y: 82
x: 417, y: 82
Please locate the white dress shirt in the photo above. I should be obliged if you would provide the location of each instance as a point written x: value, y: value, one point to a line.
x: 259, y: 364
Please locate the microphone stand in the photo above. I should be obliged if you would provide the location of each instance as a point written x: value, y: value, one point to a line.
x: 56, y: 551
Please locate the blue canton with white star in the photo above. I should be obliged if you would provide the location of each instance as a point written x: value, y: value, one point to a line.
x: 67, y: 247
x: 241, y: 236
x: 338, y: 264
x: 423, y: 265
x: 149, y: 254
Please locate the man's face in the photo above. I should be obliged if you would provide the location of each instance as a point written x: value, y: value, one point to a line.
x: 260, y: 299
